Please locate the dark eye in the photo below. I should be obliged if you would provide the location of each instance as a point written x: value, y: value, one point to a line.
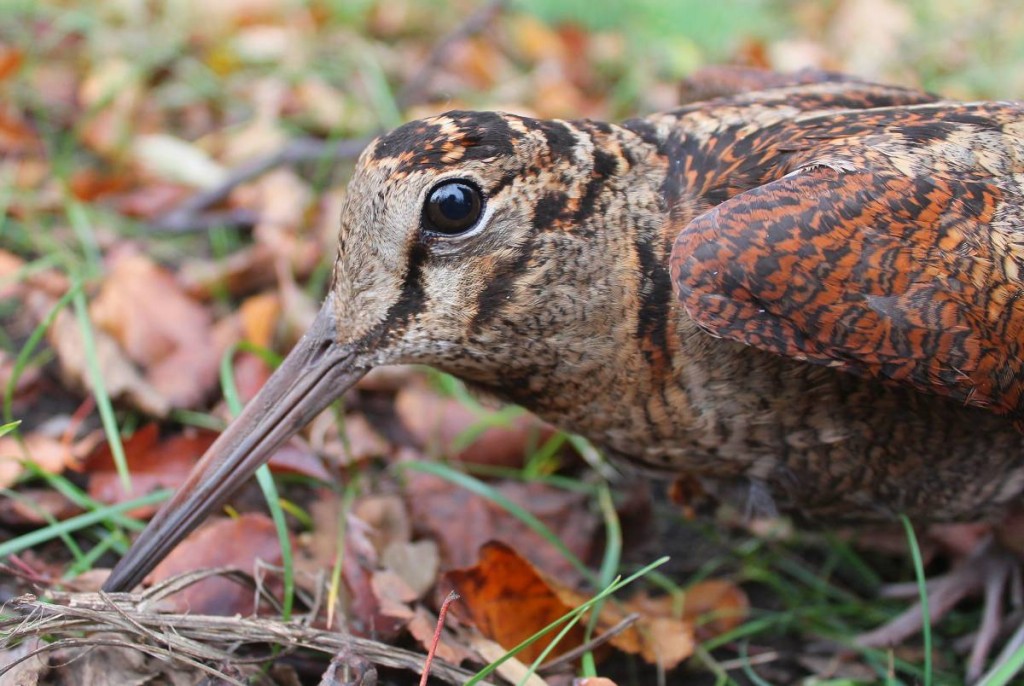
x: 452, y: 207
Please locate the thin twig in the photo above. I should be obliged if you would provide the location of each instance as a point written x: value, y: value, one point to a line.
x: 192, y: 639
x: 188, y: 216
x: 451, y: 598
x: 593, y: 643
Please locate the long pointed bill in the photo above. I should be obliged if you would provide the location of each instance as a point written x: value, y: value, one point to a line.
x: 317, y: 371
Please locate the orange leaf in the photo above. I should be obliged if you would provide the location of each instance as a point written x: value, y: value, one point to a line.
x: 10, y: 61
x: 16, y: 136
x: 260, y: 315
x: 50, y: 454
x: 508, y: 600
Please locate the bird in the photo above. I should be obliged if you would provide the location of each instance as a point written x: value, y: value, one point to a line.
x: 808, y: 291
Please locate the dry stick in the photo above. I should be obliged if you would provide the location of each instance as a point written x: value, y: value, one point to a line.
x: 593, y: 643
x: 451, y: 598
x: 415, y: 89
x: 190, y: 638
x: 188, y: 215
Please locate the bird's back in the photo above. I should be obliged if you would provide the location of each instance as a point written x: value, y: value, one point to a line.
x: 849, y: 319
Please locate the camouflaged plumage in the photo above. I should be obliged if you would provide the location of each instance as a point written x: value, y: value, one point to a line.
x: 628, y: 278
x: 807, y: 295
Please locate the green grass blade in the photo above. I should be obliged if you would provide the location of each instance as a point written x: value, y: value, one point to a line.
x: 99, y: 389
x: 926, y: 616
x: 25, y: 354
x: 1005, y: 673
x: 266, y: 482
x: 34, y: 538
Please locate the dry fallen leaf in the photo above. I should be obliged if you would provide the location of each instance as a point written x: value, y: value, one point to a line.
x: 161, y: 329
x: 11, y: 59
x: 437, y: 422
x: 121, y: 378
x: 237, y: 542
x: 461, y: 522
x: 239, y: 273
x: 153, y: 464
x: 417, y: 563
x: 151, y: 200
x: 112, y: 91
x: 260, y: 314
x: 508, y: 601
x: 16, y: 135
x: 51, y: 455
x: 370, y: 605
x: 422, y: 627
x: 173, y: 159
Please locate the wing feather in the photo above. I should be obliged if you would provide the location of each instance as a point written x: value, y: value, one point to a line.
x: 909, y: 277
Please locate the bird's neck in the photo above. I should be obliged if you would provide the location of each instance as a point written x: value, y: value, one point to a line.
x: 592, y: 337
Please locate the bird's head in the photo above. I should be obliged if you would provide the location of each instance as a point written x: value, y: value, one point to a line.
x: 468, y: 241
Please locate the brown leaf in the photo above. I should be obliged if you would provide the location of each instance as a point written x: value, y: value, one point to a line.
x: 113, y: 91
x: 366, y: 612
x: 461, y: 522
x: 508, y: 600
x: 437, y: 422
x: 123, y: 381
x: 658, y: 638
x: 241, y: 272
x: 416, y: 563
x: 153, y: 464
x: 89, y: 184
x: 49, y: 281
x: 393, y: 594
x: 150, y: 200
x: 422, y: 627
x: 160, y: 328
x: 50, y: 454
x: 29, y: 672
x: 719, y: 605
x: 714, y: 606
x: 35, y: 506
x: 10, y: 264
x: 107, y: 665
x: 223, y: 542
x: 387, y: 517
x: 251, y: 372
x: 295, y: 457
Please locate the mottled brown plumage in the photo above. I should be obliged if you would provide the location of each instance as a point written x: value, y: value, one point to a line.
x: 810, y: 291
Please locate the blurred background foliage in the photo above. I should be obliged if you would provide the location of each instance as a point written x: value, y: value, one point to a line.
x: 113, y: 112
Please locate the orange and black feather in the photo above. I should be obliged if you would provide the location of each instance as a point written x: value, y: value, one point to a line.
x: 890, y: 244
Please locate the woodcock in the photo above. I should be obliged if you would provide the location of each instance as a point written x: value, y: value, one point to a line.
x: 812, y: 292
